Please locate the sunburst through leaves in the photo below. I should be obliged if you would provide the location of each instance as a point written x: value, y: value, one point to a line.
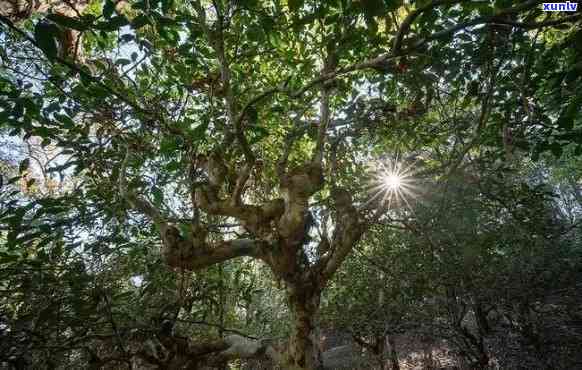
x: 392, y: 183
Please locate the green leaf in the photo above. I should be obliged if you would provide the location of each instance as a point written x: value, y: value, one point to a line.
x: 185, y: 229
x: 252, y: 115
x: 113, y: 24
x: 158, y: 196
x: 502, y: 4
x: 62, y: 167
x: 566, y: 120
x: 167, y: 5
x: 123, y: 61
x: 199, y: 131
x: 295, y: 5
x: 45, y: 35
x: 13, y: 180
x: 108, y: 9
x: 556, y: 149
x: 140, y: 21
x: 168, y: 145
x: 173, y: 166
x: 126, y: 38
x: 259, y: 133
x: 392, y: 5
x: 18, y: 110
x: 68, y: 22
x: 8, y: 258
x: 65, y: 120
x: 373, y: 8
x: 248, y: 4
x: 274, y: 40
x: 24, y: 165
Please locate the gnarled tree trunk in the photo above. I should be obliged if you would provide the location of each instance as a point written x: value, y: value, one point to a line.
x: 303, y: 352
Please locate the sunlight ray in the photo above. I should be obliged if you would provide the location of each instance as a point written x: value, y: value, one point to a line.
x: 391, y: 183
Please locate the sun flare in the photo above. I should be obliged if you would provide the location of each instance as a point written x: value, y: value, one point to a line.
x: 391, y: 183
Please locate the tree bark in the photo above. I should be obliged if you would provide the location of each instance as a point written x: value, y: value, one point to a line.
x: 393, y: 354
x: 303, y: 352
x: 70, y: 42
